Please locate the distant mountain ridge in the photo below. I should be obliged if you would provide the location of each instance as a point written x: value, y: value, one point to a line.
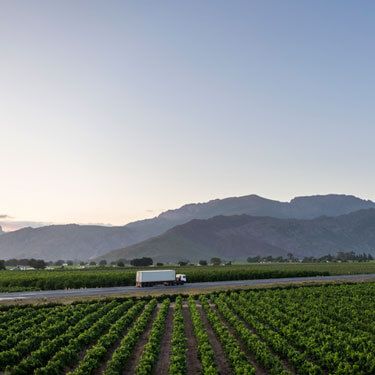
x: 90, y: 241
x: 240, y: 236
x: 62, y: 241
x: 300, y: 208
x: 305, y: 207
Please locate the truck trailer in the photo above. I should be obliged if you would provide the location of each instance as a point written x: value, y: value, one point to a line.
x: 159, y: 277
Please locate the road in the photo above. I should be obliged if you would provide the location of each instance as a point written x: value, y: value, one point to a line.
x: 129, y: 290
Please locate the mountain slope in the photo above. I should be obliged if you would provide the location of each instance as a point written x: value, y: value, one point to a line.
x: 240, y: 236
x: 62, y: 241
x: 88, y: 241
x: 299, y: 207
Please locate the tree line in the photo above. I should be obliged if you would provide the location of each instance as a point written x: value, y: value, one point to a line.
x: 340, y: 256
x: 41, y: 264
x: 34, y: 263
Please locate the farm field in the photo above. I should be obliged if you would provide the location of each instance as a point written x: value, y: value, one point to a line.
x: 108, y: 277
x: 305, y: 330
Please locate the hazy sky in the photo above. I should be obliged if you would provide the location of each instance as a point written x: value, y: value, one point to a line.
x: 112, y: 111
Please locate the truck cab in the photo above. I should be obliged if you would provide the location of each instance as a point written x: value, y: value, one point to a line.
x: 180, y: 279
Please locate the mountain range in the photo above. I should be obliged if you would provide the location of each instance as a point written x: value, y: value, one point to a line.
x: 91, y: 241
x: 240, y: 236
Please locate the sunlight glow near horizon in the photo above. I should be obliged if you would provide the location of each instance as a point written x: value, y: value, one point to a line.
x: 115, y: 111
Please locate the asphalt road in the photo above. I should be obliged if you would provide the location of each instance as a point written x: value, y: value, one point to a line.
x: 128, y: 290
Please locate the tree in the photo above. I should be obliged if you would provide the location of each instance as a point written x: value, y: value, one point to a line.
x: 92, y: 263
x: 203, y: 262
x: 2, y: 265
x: 11, y: 262
x: 37, y: 263
x: 120, y: 263
x: 182, y: 263
x: 82, y: 263
x: 159, y: 264
x: 59, y: 262
x: 69, y: 262
x: 216, y: 261
x: 253, y: 259
x: 103, y: 263
x: 141, y: 262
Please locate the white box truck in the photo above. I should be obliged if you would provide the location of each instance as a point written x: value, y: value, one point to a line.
x: 157, y: 277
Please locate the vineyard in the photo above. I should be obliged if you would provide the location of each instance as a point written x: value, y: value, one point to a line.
x: 108, y: 277
x: 304, y: 330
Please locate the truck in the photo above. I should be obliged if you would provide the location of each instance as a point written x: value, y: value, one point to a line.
x: 159, y: 277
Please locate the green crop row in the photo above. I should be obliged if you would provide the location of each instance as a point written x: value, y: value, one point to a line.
x: 88, y: 327
x: 253, y: 342
x: 177, y: 364
x: 95, y: 354
x: 152, y: 348
x: 109, y: 277
x: 124, y: 350
x: 38, y: 336
x: 69, y: 354
x: 205, y: 351
x: 24, y: 328
x: 237, y: 358
x: 312, y: 330
x: 334, y: 345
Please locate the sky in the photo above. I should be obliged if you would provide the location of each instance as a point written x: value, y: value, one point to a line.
x: 113, y: 111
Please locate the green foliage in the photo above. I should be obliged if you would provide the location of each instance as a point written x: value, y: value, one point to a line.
x: 321, y: 329
x: 105, y: 277
x: 216, y: 261
x: 206, y: 354
x: 178, y: 357
x: 141, y: 262
x: 261, y: 351
x: 230, y: 345
x: 306, y: 330
x: 152, y: 348
x: 89, y: 328
x: 43, y: 335
x: 95, y: 354
x: 122, y: 353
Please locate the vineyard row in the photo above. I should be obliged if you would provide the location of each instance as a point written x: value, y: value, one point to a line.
x: 306, y: 330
